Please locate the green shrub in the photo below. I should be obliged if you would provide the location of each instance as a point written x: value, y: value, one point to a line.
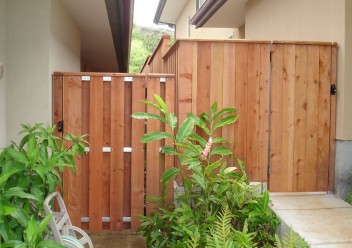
x: 216, y: 194
x: 30, y: 171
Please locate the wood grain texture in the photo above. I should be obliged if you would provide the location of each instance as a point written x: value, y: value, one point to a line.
x: 138, y: 155
x: 96, y: 154
x: 117, y: 153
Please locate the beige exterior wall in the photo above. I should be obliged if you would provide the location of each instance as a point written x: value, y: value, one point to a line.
x: 35, y: 48
x: 3, y: 59
x: 185, y: 30
x: 313, y: 20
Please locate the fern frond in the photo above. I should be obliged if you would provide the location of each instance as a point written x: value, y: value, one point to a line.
x: 219, y: 235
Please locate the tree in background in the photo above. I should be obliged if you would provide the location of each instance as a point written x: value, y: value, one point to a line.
x: 144, y: 41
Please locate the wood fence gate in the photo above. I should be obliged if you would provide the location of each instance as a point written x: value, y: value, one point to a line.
x: 285, y: 133
x: 108, y: 189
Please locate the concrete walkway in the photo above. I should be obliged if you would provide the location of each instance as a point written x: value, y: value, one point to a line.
x: 324, y: 220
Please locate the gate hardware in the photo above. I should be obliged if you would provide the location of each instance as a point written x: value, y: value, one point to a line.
x: 105, y: 219
x: 60, y: 126
x: 107, y: 79
x: 85, y: 78
x: 108, y: 149
x: 128, y: 79
x: 333, y: 89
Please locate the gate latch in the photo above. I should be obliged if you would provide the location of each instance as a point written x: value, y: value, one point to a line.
x: 333, y: 89
x: 60, y: 126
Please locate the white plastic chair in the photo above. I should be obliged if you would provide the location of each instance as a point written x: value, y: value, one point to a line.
x: 60, y: 225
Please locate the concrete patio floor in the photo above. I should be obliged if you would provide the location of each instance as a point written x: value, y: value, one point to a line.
x: 324, y: 220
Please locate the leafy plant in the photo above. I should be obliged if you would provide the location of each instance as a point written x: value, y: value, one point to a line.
x: 210, y: 185
x: 291, y: 240
x: 29, y: 171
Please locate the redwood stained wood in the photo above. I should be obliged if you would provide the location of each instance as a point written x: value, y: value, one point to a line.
x: 152, y: 167
x: 203, y: 76
x: 106, y: 143
x: 138, y: 155
x: 73, y: 124
x: 288, y: 105
x: 263, y: 137
x: 184, y: 87
x: 127, y: 156
x: 253, y: 101
x: 312, y: 119
x: 95, y: 154
x: 229, y: 92
x: 85, y: 158
x: 169, y: 160
x: 332, y: 120
x: 241, y: 101
x: 324, y: 117
x: 300, y: 118
x: 117, y: 153
x: 277, y: 179
x: 216, y: 80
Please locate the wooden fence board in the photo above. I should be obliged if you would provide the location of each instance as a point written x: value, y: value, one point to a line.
x: 252, y: 135
x: 73, y: 119
x: 324, y: 117
x: 312, y: 119
x: 263, y: 136
x: 153, y: 169
x: 241, y: 101
x: 288, y: 105
x: 203, y: 76
x: 117, y: 153
x: 95, y: 154
x: 277, y: 178
x: 137, y: 170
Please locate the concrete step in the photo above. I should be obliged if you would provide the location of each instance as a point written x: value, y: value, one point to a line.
x: 324, y: 220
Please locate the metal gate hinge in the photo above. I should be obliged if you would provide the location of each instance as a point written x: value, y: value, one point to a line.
x: 333, y: 89
x: 60, y: 126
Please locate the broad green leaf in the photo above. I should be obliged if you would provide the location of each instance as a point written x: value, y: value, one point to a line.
x: 169, y: 150
x: 7, y: 210
x: 169, y: 174
x: 5, y: 174
x: 219, y: 140
x: 199, y: 139
x: 185, y: 130
x: 213, y: 109
x: 224, y: 111
x: 172, y: 120
x: 20, y: 217
x: 161, y: 102
x: 19, y: 156
x: 41, y: 170
x: 220, y: 150
x: 265, y: 200
x: 212, y: 167
x: 142, y: 116
x: 153, y: 105
x: 205, y: 116
x: 3, y: 232
x: 226, y: 121
x: 199, y: 181
x: 15, y: 244
x: 32, y: 144
x: 157, y: 135
x: 31, y: 230
x: 48, y: 244
x: 43, y: 225
x: 18, y: 192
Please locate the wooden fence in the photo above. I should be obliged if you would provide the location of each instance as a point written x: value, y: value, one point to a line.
x: 118, y: 172
x: 286, y: 128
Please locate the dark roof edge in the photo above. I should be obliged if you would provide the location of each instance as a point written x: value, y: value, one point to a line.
x: 206, y: 11
x: 159, y: 11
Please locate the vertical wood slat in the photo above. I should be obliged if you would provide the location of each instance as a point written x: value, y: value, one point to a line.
x: 203, y: 76
x: 310, y: 175
x: 169, y: 160
x: 138, y: 157
x: 324, y: 117
x: 95, y: 154
x: 288, y: 104
x: 241, y: 100
x: 252, y: 135
x: 277, y: 178
x: 152, y: 160
x: 332, y: 120
x: 263, y: 137
x: 300, y: 117
x: 73, y: 124
x: 117, y: 153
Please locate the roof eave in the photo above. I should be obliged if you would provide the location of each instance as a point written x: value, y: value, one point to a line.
x: 206, y: 11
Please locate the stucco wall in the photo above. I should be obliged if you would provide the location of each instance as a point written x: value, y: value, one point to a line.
x: 313, y: 20
x: 42, y: 38
x: 184, y: 30
x: 3, y: 79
